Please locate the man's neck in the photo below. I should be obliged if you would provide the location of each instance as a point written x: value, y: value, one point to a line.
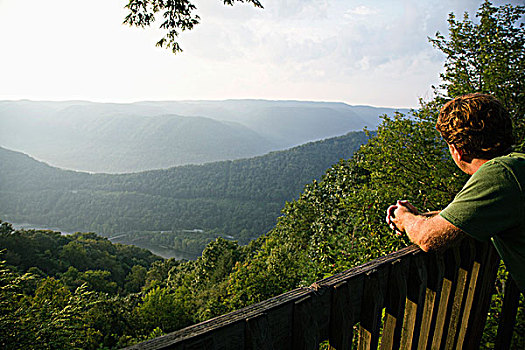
x: 474, y: 165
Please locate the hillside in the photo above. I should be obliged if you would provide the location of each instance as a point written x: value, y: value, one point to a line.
x: 123, y: 138
x: 241, y: 198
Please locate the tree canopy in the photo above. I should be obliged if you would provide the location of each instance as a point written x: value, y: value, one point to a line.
x: 487, y: 56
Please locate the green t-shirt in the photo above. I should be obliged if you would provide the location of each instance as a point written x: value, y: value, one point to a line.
x: 491, y: 205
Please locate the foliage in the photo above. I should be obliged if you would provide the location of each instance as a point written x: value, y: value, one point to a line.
x: 11, y: 286
x: 178, y: 16
x: 77, y: 260
x: 6, y: 228
x: 163, y: 308
x: 488, y: 57
x: 52, y: 318
x: 156, y: 296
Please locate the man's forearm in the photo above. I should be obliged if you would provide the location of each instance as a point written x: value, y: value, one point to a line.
x: 429, y: 231
x: 414, y: 227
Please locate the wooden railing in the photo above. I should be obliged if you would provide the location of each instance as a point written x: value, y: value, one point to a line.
x: 408, y: 299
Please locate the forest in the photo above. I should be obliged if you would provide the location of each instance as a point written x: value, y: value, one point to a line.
x: 337, y: 222
x: 240, y: 198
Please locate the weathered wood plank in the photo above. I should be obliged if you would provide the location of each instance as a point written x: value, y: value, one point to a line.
x: 230, y: 337
x: 416, y: 288
x: 312, y: 318
x: 280, y: 319
x: 371, y: 307
x: 467, y: 257
x: 201, y: 343
x: 389, y: 327
x: 489, y: 259
x: 507, y: 318
x: 451, y: 262
x: 365, y: 339
x: 456, y: 308
x: 426, y: 319
x: 409, y: 322
x: 435, y: 275
x: 395, y: 304
x: 322, y: 309
x: 467, y: 308
x: 346, y: 309
x: 441, y: 314
x: 468, y: 253
x: 305, y: 332
x: 258, y: 334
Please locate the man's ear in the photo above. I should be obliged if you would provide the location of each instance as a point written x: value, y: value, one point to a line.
x: 458, y: 153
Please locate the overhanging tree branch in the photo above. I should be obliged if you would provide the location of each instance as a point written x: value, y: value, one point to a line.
x: 177, y: 15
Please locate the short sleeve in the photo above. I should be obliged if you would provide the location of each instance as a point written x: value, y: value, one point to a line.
x: 488, y: 204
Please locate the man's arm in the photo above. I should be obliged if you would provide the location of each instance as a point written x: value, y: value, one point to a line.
x: 429, y: 230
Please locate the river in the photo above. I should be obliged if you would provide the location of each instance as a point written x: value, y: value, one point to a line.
x: 162, y: 251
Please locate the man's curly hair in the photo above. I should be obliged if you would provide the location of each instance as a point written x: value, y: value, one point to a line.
x: 477, y: 124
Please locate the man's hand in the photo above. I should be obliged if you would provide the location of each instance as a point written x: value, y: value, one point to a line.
x: 395, y: 214
x: 428, y: 230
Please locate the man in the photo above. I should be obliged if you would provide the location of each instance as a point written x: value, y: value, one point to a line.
x: 491, y: 205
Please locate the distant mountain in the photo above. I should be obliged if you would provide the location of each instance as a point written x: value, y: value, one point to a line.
x: 101, y: 139
x: 289, y: 123
x: 120, y: 138
x: 242, y: 197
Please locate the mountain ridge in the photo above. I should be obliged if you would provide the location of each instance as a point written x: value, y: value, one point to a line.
x: 238, y: 197
x: 120, y: 138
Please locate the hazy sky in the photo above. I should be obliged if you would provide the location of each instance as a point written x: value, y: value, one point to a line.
x: 353, y: 51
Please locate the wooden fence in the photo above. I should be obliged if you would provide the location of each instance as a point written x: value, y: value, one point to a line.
x: 408, y: 299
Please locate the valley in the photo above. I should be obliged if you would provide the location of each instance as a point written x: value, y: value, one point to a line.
x: 235, y: 199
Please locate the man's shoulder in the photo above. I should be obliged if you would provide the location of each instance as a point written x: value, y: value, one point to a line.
x: 501, y: 172
x: 514, y: 162
x: 504, y: 171
x: 514, y: 157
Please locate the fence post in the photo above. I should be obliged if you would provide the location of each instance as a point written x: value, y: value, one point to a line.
x: 371, y: 308
x: 346, y: 310
x: 507, y: 318
x: 395, y: 304
x: 489, y: 258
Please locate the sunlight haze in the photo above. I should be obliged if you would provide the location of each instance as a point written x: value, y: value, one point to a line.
x: 357, y: 52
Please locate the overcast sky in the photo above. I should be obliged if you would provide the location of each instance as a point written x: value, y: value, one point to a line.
x: 353, y: 51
